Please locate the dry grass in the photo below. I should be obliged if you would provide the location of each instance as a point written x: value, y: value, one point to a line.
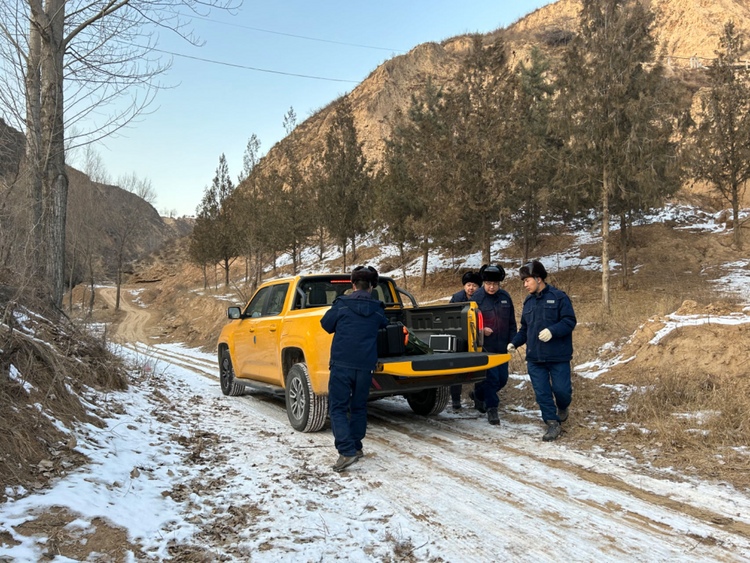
x: 56, y: 362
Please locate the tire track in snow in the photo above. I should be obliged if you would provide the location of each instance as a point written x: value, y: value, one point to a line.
x: 463, y: 484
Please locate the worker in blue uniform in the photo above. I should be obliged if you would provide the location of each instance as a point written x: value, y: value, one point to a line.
x: 499, y: 329
x: 354, y: 321
x: 547, y: 324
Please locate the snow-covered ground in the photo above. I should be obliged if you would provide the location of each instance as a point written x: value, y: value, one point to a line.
x: 186, y: 466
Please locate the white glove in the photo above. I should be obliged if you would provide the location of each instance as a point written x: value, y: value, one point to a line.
x: 511, y: 348
x: 545, y: 335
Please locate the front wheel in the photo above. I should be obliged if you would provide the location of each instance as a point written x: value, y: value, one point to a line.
x: 229, y: 385
x: 306, y: 410
x: 429, y: 402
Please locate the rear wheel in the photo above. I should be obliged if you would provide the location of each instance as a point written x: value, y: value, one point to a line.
x: 306, y: 410
x: 229, y: 385
x: 429, y: 401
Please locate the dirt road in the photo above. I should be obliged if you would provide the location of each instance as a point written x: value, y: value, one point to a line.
x: 448, y: 488
x: 132, y: 328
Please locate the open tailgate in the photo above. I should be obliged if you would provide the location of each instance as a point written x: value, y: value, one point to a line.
x: 444, y: 363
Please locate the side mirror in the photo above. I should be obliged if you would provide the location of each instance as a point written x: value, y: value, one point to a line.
x: 233, y: 313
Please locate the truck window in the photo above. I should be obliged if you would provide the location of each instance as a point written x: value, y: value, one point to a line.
x: 255, y: 307
x: 321, y: 292
x: 276, y: 300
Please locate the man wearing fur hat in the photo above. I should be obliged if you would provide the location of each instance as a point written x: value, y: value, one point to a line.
x: 354, y: 321
x: 547, y: 324
x: 499, y: 329
x: 471, y: 282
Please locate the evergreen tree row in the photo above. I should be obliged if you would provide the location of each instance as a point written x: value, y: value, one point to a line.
x: 600, y: 133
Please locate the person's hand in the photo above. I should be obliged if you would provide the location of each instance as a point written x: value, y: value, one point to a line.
x: 545, y: 335
x: 511, y: 348
x: 487, y: 331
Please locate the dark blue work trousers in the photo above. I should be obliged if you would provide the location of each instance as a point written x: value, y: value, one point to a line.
x: 552, y: 387
x: 486, y: 391
x: 347, y: 405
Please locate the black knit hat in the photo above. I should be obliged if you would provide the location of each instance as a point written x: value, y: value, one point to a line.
x: 365, y: 273
x: 533, y: 269
x: 471, y: 277
x: 492, y: 273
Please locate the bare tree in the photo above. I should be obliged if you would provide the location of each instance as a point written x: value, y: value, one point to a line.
x: 63, y: 59
x: 141, y: 187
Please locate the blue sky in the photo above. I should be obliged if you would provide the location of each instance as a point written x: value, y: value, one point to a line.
x: 213, y: 108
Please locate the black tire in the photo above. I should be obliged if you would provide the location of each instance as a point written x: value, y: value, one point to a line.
x: 229, y: 386
x: 306, y: 410
x: 429, y: 402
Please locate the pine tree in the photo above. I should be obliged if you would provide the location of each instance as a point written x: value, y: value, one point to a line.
x: 294, y: 200
x: 721, y: 147
x: 215, y: 239
x: 479, y: 152
x: 423, y: 144
x: 345, y: 179
x: 534, y: 148
x: 614, y: 116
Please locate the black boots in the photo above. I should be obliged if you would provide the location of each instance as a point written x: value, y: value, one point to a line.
x: 563, y: 414
x: 479, y: 405
x: 553, y: 431
x: 492, y: 416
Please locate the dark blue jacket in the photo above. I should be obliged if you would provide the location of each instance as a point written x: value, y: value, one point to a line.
x: 499, y: 315
x: 552, y: 309
x: 459, y: 297
x: 354, y: 321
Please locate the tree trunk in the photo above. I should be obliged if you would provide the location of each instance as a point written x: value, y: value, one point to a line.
x: 354, y: 248
x: 226, y: 273
x: 343, y: 254
x: 55, y: 179
x: 321, y: 243
x: 403, y: 264
x: 624, y: 247
x: 33, y: 147
x: 294, y: 258
x: 119, y: 283
x: 216, y: 278
x: 425, y: 256
x: 486, y: 243
x: 736, y: 216
x: 93, y: 289
x: 258, y: 267
x: 205, y: 278
x: 275, y: 271
x: 605, y: 242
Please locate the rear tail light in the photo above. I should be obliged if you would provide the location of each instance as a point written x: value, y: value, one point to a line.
x: 480, y: 321
x: 406, y: 337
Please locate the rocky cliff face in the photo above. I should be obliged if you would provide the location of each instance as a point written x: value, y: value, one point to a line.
x: 685, y: 28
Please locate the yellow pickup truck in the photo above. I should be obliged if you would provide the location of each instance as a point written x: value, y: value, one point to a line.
x: 276, y: 344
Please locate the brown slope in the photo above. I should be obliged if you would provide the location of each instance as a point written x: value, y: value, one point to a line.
x: 686, y: 28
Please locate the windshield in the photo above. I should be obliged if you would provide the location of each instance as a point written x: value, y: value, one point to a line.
x: 321, y: 291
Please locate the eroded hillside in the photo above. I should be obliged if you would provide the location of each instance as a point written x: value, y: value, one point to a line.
x: 684, y: 28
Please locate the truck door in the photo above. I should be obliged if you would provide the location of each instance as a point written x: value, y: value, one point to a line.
x: 265, y: 361
x: 245, y: 336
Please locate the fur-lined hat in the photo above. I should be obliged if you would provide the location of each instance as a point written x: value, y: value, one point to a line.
x: 471, y: 277
x: 533, y: 269
x: 492, y: 273
x: 365, y: 273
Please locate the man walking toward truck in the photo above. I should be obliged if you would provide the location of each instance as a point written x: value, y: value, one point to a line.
x: 354, y: 321
x: 547, y: 324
